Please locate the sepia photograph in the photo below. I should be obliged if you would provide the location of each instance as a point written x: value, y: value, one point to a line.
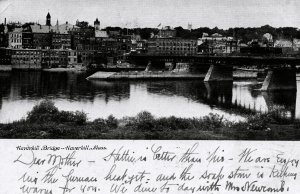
x: 150, y: 69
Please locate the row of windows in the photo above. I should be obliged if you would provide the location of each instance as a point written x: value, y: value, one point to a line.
x: 26, y: 53
x: 16, y: 46
x: 75, y: 60
x: 56, y: 58
x: 16, y: 40
x: 177, y: 44
x: 16, y: 35
x: 17, y: 60
x: 175, y: 48
x: 25, y: 58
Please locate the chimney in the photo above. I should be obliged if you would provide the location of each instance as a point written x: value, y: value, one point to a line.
x: 5, y: 21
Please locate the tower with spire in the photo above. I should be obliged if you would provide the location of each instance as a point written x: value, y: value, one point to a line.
x: 48, y: 19
x: 97, y: 24
x: 57, y: 27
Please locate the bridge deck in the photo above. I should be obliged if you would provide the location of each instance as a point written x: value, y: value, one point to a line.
x: 230, y: 60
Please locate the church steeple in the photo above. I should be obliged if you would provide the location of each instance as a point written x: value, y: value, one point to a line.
x: 97, y: 24
x: 57, y: 27
x: 48, y: 19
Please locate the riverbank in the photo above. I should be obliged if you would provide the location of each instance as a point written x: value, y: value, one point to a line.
x: 45, y: 121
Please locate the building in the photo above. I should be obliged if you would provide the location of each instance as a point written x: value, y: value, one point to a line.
x: 172, y: 46
x: 97, y: 24
x: 85, y: 57
x: 61, y: 38
x: 54, y: 58
x: 26, y: 58
x: 296, y: 44
x: 41, y: 36
x: 72, y: 57
x: 5, y: 59
x: 15, y: 38
x: 101, y: 34
x: 167, y: 32
x: 138, y: 45
x: 285, y: 45
x: 48, y: 19
x: 82, y: 36
x: 3, y: 35
x: 27, y: 39
x: 216, y: 44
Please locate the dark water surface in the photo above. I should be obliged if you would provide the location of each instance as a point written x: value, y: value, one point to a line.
x: 20, y: 91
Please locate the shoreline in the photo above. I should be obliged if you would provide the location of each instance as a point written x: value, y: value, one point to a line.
x: 45, y: 121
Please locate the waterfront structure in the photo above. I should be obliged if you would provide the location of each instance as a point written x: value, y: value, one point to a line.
x: 54, y: 58
x: 15, y: 38
x: 72, y: 57
x: 85, y: 57
x: 172, y: 46
x: 5, y: 59
x: 49, y: 58
x: 26, y: 58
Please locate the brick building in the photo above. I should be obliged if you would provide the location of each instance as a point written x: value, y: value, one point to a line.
x: 26, y: 58
x: 172, y: 46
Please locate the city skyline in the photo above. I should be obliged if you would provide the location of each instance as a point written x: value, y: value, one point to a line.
x: 136, y: 13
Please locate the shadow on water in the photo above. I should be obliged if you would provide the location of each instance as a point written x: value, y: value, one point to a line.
x: 282, y: 102
x: 68, y: 85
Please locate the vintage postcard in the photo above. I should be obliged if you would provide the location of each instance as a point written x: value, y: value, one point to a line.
x: 149, y: 96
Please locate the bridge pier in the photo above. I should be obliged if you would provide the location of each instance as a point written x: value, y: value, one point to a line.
x: 219, y: 73
x: 149, y: 66
x: 280, y: 79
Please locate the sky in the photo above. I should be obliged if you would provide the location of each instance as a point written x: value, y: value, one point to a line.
x: 150, y: 13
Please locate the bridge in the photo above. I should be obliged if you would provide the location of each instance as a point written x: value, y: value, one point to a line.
x: 281, y: 70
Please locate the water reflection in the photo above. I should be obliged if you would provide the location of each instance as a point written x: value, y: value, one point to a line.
x: 20, y: 91
x: 282, y: 101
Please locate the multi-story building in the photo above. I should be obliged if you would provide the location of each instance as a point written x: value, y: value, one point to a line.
x: 167, y: 32
x: 61, y: 39
x: 216, y: 44
x: 72, y: 57
x: 3, y: 35
x: 15, y: 38
x: 172, y: 46
x: 138, y: 45
x: 5, y: 59
x: 42, y: 37
x: 27, y: 39
x: 85, y: 57
x: 26, y: 58
x: 54, y: 58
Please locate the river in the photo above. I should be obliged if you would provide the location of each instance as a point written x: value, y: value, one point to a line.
x: 20, y: 91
